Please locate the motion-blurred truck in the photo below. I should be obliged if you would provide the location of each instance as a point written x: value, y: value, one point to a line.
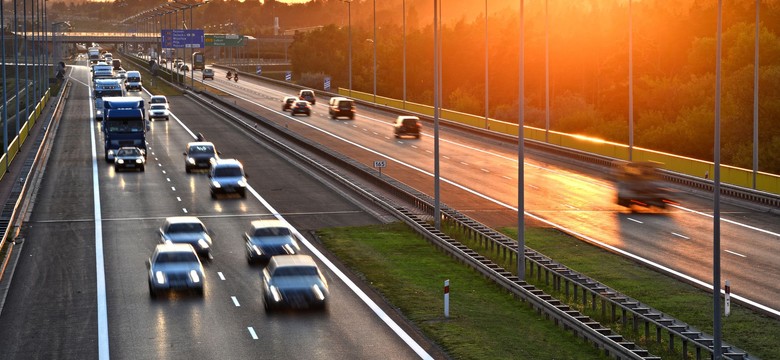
x: 640, y: 183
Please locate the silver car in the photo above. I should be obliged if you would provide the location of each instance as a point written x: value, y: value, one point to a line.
x: 187, y: 230
x: 159, y: 112
x: 267, y: 238
x: 227, y: 177
x: 174, y: 267
x: 294, y: 282
x: 129, y: 158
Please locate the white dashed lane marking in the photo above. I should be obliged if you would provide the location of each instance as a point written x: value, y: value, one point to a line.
x: 735, y: 253
x: 252, y: 333
x: 221, y: 275
x: 680, y: 235
x: 635, y: 220
x: 235, y: 301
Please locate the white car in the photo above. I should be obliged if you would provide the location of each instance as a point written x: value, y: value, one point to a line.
x: 175, y: 267
x: 159, y: 112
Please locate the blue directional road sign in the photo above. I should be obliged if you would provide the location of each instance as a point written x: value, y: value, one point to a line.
x: 288, y: 76
x: 182, y: 39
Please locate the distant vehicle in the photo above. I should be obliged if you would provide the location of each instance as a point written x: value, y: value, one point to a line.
x: 288, y: 102
x: 129, y: 158
x: 105, y: 88
x: 158, y: 112
x: 227, y: 177
x: 117, y: 64
x: 159, y: 99
x: 301, y: 107
x: 199, y: 155
x: 184, y: 68
x: 175, y: 267
x: 198, y: 61
x: 267, y: 238
x: 133, y: 82
x: 208, y: 74
x: 294, y: 281
x: 640, y: 183
x: 122, y: 75
x: 407, y: 125
x: 307, y: 95
x: 94, y: 55
x: 102, y: 71
x: 339, y: 106
x: 187, y: 230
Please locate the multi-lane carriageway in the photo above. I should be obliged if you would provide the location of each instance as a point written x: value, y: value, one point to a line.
x: 479, y: 180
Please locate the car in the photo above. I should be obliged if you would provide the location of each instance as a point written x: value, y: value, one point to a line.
x: 227, y: 177
x: 288, y: 102
x: 295, y: 282
x: 121, y: 74
x: 301, y: 107
x: 407, y: 125
x: 175, y: 267
x: 159, y: 99
x: 128, y: 157
x: 340, y: 106
x: 187, y: 230
x: 307, y: 95
x: 208, y: 74
x: 163, y: 61
x: 184, y: 68
x: 159, y: 112
x: 199, y: 155
x: 267, y: 238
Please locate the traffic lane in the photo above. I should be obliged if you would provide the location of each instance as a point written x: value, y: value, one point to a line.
x: 228, y: 252
x: 50, y: 309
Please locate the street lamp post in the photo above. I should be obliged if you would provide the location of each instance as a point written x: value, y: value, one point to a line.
x: 374, y: 42
x: 349, y: 30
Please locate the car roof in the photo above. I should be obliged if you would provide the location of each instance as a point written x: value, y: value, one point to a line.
x: 226, y: 162
x: 290, y: 97
x: 265, y: 223
x: 133, y: 72
x: 200, y: 143
x: 174, y: 247
x: 182, y: 219
x: 292, y: 260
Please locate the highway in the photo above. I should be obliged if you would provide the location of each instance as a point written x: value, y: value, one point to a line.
x: 480, y: 179
x: 79, y: 289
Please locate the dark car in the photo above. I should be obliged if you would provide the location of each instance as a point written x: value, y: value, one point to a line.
x: 129, y: 158
x: 208, y: 74
x: 267, y: 238
x: 174, y: 267
x: 307, y: 95
x: 199, y: 155
x: 288, y: 102
x: 187, y: 230
x: 295, y: 282
x: 407, y: 125
x: 340, y: 106
x: 301, y: 107
x: 227, y: 177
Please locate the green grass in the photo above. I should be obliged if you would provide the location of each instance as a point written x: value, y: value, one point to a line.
x: 486, y: 322
x: 754, y: 333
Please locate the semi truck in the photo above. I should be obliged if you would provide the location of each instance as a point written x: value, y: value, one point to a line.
x: 124, y: 124
x: 640, y: 183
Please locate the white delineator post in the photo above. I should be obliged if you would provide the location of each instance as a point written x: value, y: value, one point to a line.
x: 727, y: 303
x: 447, y: 298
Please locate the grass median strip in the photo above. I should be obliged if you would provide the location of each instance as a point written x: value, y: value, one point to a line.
x: 485, y: 321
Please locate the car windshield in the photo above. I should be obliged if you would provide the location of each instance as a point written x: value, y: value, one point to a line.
x: 125, y: 125
x: 295, y: 271
x: 272, y: 231
x: 128, y: 152
x: 176, y: 257
x: 228, y: 172
x: 185, y: 228
x: 157, y: 100
x: 201, y: 149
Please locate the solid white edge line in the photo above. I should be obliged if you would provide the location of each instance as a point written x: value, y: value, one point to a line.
x: 362, y: 295
x: 102, y: 311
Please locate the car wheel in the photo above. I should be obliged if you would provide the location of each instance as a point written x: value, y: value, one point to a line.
x: 417, y: 136
x: 243, y: 194
x: 213, y: 195
x: 187, y: 169
x: 352, y: 117
x: 141, y: 168
x: 199, y: 291
x: 308, y: 114
x: 152, y: 292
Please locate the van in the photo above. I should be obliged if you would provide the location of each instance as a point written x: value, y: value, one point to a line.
x: 117, y: 64
x: 307, y: 95
x: 133, y: 81
x: 340, y: 106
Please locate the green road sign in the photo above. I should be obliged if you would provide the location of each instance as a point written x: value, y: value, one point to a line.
x: 225, y: 40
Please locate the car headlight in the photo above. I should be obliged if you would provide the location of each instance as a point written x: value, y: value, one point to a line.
x: 242, y: 183
x: 194, y: 276
x: 257, y: 250
x: 111, y: 152
x: 318, y: 294
x: 120, y: 161
x: 203, y: 244
x: 100, y: 112
x: 276, y: 294
x: 191, y: 160
x: 215, y: 184
x: 289, y: 249
x: 139, y: 161
x: 160, y: 277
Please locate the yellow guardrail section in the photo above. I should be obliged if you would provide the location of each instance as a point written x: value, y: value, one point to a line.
x: 24, y: 132
x: 703, y: 169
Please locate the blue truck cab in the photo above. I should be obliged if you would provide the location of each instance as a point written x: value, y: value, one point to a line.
x: 124, y: 124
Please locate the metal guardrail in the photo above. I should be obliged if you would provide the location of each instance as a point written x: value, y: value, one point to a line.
x: 600, y: 295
